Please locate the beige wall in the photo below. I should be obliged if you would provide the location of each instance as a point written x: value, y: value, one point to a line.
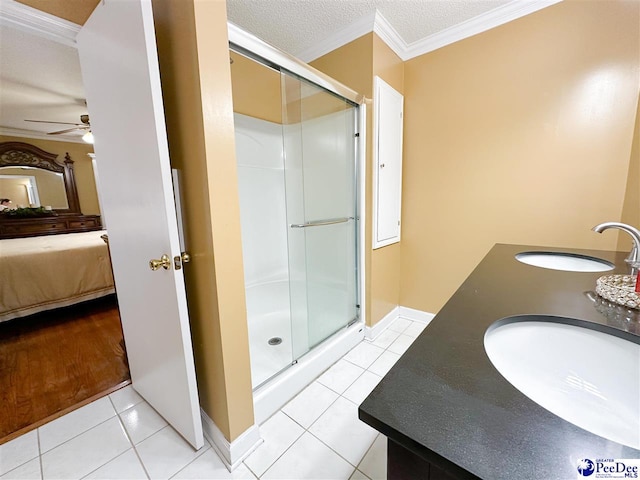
x: 521, y: 134
x: 351, y: 64
x: 385, y: 261
x: 76, y: 11
x: 15, y: 189
x: 256, y: 89
x: 355, y: 65
x: 196, y: 84
x: 82, y: 166
x: 631, y: 208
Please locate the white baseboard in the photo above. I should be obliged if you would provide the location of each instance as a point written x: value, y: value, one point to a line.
x: 231, y: 453
x: 370, y: 333
x: 415, y: 315
x: 398, y: 312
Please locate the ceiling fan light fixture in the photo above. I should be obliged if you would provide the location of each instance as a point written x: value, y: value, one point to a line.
x: 88, y: 137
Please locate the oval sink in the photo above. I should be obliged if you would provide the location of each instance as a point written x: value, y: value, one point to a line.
x: 569, y: 262
x: 584, y: 376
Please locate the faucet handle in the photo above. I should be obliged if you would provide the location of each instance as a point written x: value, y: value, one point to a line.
x: 634, y: 255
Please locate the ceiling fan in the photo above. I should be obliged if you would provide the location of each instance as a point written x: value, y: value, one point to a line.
x: 85, y: 125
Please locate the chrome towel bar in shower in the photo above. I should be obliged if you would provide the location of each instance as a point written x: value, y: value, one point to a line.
x: 319, y: 223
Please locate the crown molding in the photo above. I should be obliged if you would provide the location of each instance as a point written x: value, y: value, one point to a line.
x: 22, y: 17
x: 389, y: 35
x: 338, y: 39
x: 491, y: 19
x: 19, y: 132
x: 381, y: 26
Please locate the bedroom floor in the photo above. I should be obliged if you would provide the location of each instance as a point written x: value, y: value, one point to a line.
x: 56, y: 361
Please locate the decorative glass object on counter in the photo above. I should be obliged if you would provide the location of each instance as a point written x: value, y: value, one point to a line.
x: 619, y: 289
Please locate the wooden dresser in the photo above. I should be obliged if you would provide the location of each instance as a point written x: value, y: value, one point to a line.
x: 33, y: 227
x: 63, y: 220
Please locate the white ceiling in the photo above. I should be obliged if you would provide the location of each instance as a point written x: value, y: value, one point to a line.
x: 296, y: 26
x: 40, y: 78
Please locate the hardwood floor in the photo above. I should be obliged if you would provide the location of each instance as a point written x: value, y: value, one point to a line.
x: 53, y: 362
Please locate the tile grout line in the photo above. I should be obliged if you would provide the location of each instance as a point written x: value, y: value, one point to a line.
x: 200, y: 452
x: 340, y: 395
x: 75, y: 436
x: 40, y: 454
x: 329, y: 446
x: 305, y: 429
x: 366, y: 453
x: 204, y: 449
x: 126, y: 432
x: 348, y: 386
x: 26, y: 461
x: 252, y: 472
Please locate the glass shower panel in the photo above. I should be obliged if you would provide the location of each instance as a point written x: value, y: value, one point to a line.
x: 319, y: 145
x: 294, y: 187
x: 263, y: 215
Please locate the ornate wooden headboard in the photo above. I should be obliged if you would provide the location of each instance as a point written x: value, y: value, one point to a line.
x: 19, y: 154
x: 65, y: 220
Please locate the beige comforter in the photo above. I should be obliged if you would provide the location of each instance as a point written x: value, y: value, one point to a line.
x: 41, y: 273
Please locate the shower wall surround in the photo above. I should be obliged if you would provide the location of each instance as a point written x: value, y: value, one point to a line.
x: 298, y: 195
x: 300, y: 280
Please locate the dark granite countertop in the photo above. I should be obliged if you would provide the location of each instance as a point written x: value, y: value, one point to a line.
x: 445, y: 401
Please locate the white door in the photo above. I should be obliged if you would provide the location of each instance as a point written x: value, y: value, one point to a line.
x: 121, y: 76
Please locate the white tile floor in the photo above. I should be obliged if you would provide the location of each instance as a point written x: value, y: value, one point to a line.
x: 315, y: 436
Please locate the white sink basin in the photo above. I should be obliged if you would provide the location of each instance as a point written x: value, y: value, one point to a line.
x: 586, y: 377
x: 569, y: 262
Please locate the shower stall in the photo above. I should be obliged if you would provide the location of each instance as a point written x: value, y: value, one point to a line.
x: 297, y: 148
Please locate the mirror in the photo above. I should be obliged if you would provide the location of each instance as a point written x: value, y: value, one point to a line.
x: 33, y: 187
x: 31, y: 177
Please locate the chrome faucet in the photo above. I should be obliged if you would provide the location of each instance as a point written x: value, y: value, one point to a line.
x: 634, y: 256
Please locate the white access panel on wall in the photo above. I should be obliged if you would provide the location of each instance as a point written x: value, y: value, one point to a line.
x: 387, y: 163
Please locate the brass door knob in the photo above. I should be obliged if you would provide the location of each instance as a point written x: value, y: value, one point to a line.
x: 164, y: 262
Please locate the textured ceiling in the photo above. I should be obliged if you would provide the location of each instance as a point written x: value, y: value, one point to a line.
x: 296, y: 25
x: 39, y: 80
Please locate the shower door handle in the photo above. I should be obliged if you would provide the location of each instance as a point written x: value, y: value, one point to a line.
x: 319, y: 223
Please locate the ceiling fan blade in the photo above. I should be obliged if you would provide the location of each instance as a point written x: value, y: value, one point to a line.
x: 68, y: 130
x: 45, y: 121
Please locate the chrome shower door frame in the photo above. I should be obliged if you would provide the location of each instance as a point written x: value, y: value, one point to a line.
x: 252, y: 47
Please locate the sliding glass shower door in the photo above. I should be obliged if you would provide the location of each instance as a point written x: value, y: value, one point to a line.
x: 320, y: 186
x: 296, y: 154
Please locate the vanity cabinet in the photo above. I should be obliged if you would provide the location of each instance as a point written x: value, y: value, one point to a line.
x: 33, y: 227
x: 449, y: 414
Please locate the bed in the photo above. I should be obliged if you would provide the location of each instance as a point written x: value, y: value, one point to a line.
x: 42, y: 273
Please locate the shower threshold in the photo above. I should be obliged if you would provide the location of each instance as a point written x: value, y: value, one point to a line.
x: 273, y: 394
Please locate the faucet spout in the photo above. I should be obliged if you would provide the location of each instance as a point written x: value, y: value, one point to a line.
x: 634, y: 256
